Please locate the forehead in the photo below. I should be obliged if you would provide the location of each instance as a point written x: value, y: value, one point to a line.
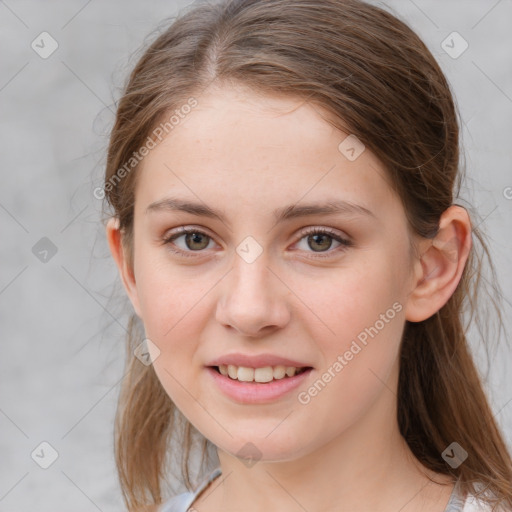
x: 240, y: 148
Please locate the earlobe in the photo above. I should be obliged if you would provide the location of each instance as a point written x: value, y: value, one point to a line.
x: 441, y: 264
x: 118, y: 251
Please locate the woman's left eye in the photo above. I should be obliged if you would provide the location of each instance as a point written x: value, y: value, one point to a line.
x: 322, y: 238
x: 195, y: 240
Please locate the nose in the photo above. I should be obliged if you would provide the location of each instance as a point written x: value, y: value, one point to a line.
x: 253, y: 299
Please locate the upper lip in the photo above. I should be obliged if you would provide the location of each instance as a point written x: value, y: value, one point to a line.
x: 257, y: 361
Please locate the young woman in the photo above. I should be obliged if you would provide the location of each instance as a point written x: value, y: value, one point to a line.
x: 283, y: 176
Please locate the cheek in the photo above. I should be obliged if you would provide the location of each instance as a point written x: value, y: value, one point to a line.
x: 173, y: 305
x: 362, y: 344
x: 169, y: 296
x: 353, y: 299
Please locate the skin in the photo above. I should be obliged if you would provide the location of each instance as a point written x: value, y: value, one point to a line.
x: 246, y: 155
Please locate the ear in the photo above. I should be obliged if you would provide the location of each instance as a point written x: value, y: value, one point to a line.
x: 439, y: 269
x: 118, y: 250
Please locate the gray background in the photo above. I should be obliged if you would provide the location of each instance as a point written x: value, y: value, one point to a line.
x: 62, y: 320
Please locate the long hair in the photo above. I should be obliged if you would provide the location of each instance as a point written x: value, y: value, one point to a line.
x: 371, y: 73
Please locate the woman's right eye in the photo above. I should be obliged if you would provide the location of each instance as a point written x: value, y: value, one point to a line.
x: 194, y: 240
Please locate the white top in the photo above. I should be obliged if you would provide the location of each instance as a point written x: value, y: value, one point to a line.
x: 183, y: 501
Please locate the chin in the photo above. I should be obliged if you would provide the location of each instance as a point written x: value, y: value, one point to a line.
x: 252, y: 449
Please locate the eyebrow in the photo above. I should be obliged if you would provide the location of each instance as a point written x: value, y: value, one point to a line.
x: 291, y: 211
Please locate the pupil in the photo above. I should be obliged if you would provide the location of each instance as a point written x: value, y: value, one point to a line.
x: 315, y: 240
x: 195, y: 238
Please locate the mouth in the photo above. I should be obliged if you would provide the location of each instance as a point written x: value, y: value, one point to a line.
x: 257, y: 386
x: 262, y: 375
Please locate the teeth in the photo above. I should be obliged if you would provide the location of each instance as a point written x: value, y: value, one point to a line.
x: 232, y: 371
x: 290, y: 371
x: 265, y: 374
x: 279, y: 372
x: 243, y: 374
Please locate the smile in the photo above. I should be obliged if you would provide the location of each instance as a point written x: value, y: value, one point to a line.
x: 261, y: 375
x: 252, y: 391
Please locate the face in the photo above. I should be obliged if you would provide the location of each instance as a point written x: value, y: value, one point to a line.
x: 266, y: 278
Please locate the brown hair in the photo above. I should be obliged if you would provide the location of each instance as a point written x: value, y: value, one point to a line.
x: 374, y: 75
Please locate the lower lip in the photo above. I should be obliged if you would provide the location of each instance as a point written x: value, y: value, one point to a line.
x: 256, y: 392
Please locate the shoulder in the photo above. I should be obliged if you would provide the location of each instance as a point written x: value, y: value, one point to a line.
x: 473, y: 504
x: 183, y: 501
x: 179, y: 503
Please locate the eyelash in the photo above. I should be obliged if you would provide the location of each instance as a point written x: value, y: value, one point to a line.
x: 307, y: 232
